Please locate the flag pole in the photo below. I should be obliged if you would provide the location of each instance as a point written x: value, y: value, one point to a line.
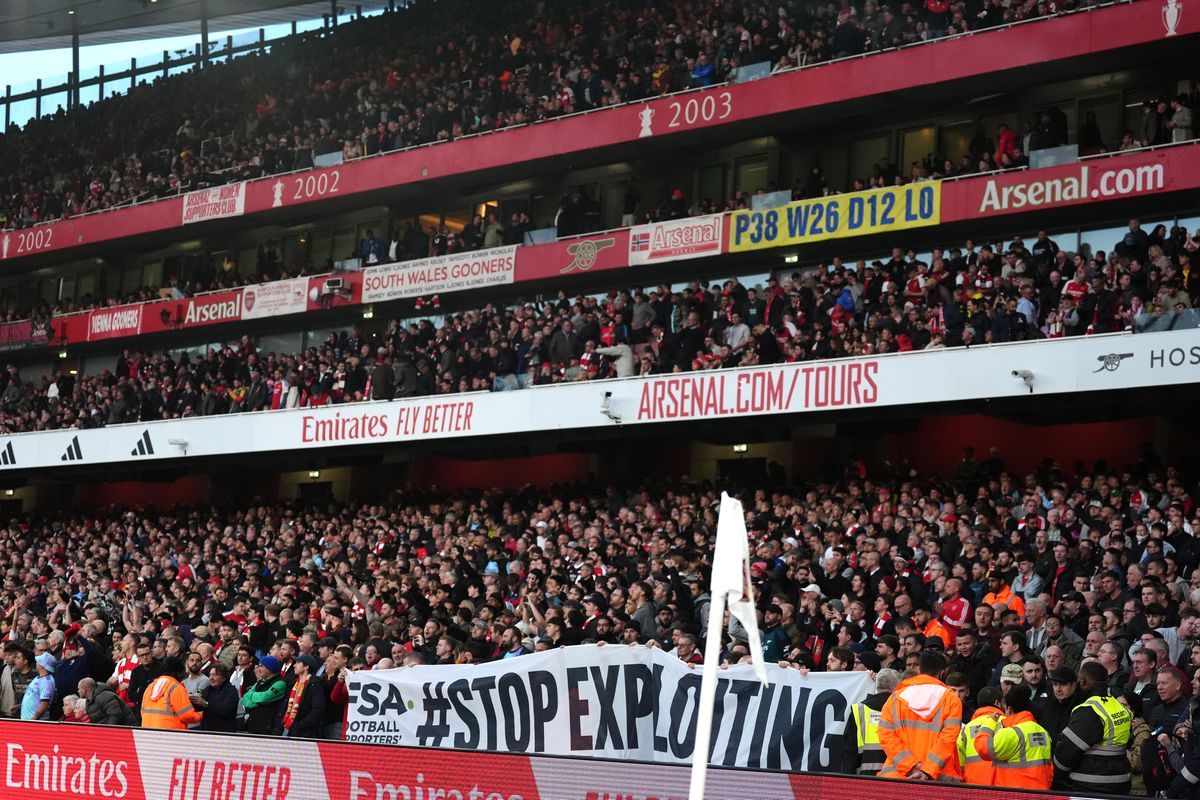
x: 708, y: 694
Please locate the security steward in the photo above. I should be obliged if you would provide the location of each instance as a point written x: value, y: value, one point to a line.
x: 1020, y: 747
x: 863, y: 754
x: 1090, y: 755
x: 919, y: 725
x: 165, y: 703
x: 985, y: 720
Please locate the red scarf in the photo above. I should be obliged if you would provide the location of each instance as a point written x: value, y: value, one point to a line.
x: 293, y: 703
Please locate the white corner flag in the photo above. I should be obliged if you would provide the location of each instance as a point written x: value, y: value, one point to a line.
x: 732, y: 588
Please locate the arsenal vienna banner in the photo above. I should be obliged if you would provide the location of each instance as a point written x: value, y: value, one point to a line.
x: 608, y: 702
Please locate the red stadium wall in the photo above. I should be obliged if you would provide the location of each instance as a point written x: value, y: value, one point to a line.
x: 190, y: 490
x: 936, y: 445
x: 449, y: 474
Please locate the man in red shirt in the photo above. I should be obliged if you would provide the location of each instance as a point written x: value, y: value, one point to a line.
x: 956, y: 609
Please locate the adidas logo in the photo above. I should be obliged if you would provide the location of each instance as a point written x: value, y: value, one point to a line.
x: 74, y: 453
x: 7, y: 456
x: 144, y: 446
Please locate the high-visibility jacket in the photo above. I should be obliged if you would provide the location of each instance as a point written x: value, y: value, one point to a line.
x: 1020, y: 750
x: 919, y: 728
x: 1010, y: 599
x: 1090, y: 755
x: 870, y: 751
x: 165, y: 704
x: 975, y: 769
x: 936, y: 628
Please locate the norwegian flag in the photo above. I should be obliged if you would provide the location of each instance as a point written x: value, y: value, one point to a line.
x: 640, y: 242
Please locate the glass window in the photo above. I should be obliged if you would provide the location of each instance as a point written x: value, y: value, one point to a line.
x: 85, y: 287
x: 954, y: 139
x: 794, y: 166
x: 915, y: 146
x: 835, y: 164
x: 868, y: 153
x: 751, y: 174
x: 1106, y: 113
x: 152, y: 273
x: 712, y: 183
x: 345, y: 244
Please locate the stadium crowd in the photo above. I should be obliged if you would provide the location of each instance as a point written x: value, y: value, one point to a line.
x: 1052, y: 591
x: 433, y: 72
x: 960, y: 297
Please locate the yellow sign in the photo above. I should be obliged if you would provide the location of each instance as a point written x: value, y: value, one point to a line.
x: 913, y: 205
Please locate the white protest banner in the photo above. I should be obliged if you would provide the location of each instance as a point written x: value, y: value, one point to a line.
x: 614, y: 701
x: 440, y: 274
x: 275, y: 298
x: 220, y: 201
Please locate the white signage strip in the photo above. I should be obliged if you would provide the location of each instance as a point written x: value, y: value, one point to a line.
x: 1081, y: 364
x: 429, y: 276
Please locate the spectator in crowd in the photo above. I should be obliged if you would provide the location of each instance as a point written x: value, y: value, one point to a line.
x: 39, y: 694
x: 264, y: 701
x: 1091, y: 754
x: 166, y: 704
x: 102, y: 705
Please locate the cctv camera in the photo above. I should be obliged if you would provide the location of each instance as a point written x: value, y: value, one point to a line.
x: 1026, y: 376
x: 606, y: 408
x: 182, y: 444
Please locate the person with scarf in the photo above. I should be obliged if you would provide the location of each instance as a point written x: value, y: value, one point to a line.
x: 304, y: 712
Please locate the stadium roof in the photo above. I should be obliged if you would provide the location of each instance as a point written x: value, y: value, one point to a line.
x: 45, y: 24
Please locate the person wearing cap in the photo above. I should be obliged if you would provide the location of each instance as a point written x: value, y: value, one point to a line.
x: 919, y: 724
x: 1091, y: 756
x: 1001, y: 594
x: 1011, y: 675
x: 165, y: 703
x: 39, y: 694
x: 1055, y: 711
x: 775, y: 642
x: 862, y: 752
x: 985, y: 720
x: 304, y: 710
x: 1020, y: 748
x: 264, y: 700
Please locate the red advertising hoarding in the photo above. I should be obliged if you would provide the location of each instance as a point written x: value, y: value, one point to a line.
x: 48, y: 761
x: 1074, y: 35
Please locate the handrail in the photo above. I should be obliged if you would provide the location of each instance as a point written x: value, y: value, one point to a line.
x: 179, y: 190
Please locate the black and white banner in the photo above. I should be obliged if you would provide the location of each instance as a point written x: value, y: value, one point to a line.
x: 607, y: 702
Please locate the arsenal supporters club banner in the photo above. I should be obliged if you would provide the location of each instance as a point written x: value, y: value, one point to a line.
x: 672, y: 240
x: 275, y: 299
x: 456, y: 272
x: 608, y: 702
x: 62, y: 761
x: 215, y: 203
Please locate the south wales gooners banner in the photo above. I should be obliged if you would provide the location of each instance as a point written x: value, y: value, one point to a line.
x: 610, y: 701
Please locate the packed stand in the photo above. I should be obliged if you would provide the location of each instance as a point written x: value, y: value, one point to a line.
x: 962, y: 297
x: 1041, y: 596
x: 431, y: 72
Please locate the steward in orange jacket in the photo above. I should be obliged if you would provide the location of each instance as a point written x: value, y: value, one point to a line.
x: 1001, y: 592
x: 919, y: 725
x: 1020, y: 747
x: 165, y: 703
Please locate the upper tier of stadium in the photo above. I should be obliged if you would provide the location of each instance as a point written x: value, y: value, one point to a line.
x: 430, y: 73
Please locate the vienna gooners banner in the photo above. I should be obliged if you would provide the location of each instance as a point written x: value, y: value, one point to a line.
x: 607, y: 702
